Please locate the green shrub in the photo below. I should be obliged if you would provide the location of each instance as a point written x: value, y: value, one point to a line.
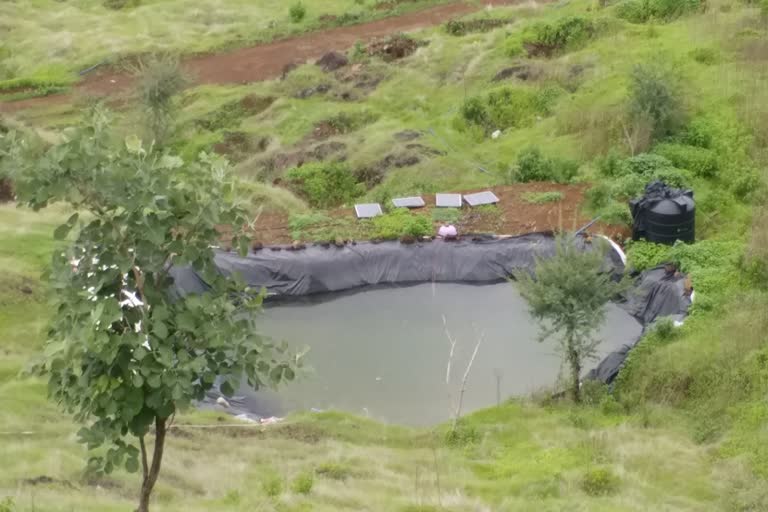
x: 549, y: 38
x: 299, y: 222
x: 533, y: 166
x: 642, y: 11
x: 303, y: 483
x: 654, y: 94
x: 334, y: 471
x: 159, y: 81
x: 325, y: 184
x: 346, y: 122
x: 542, y: 197
x: 699, y: 161
x: 509, y: 107
x: 401, y: 223
x: 642, y: 255
x: 7, y: 505
x: 297, y: 12
x: 462, y: 434
x: 646, y: 164
x: 664, y: 329
x: 512, y: 47
x: 706, y: 56
x: 600, y: 482
x: 616, y: 212
x: 272, y: 486
x: 598, y: 195
x: 593, y: 392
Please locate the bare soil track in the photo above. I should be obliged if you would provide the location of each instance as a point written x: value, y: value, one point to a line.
x: 266, y: 61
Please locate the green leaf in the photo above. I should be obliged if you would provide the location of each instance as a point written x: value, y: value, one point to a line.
x: 160, y: 330
x: 138, y: 380
x: 154, y: 381
x: 133, y: 144
x: 132, y: 465
x: 140, y: 353
x: 61, y: 232
x: 227, y: 389
x: 170, y: 162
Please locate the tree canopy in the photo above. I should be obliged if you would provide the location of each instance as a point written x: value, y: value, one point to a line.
x: 567, y: 296
x: 124, y: 353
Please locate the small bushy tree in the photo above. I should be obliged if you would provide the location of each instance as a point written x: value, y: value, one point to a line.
x: 297, y: 12
x: 654, y: 95
x: 567, y: 296
x: 123, y: 353
x: 159, y: 80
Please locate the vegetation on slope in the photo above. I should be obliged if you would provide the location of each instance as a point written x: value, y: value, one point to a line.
x: 684, y: 427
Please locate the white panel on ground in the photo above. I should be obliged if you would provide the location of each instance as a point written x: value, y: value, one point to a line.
x: 448, y: 200
x: 481, y: 198
x: 408, y: 202
x: 368, y: 210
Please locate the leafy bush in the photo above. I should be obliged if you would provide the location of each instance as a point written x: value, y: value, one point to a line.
x: 654, y: 94
x: 325, y: 184
x: 600, y: 482
x: 512, y: 47
x: 549, y: 38
x: 533, y: 166
x: 642, y: 255
x: 701, y: 162
x: 462, y: 434
x: 706, y: 56
x: 272, y: 486
x: 642, y: 11
x: 297, y: 12
x: 303, y: 483
x: 7, y: 505
x: 299, y: 222
x: 401, y: 223
x: 616, y: 213
x: 160, y: 79
x: 542, y: 197
x: 345, y: 122
x: 509, y: 107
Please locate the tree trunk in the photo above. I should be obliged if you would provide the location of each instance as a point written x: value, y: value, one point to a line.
x: 575, y: 362
x: 151, y: 473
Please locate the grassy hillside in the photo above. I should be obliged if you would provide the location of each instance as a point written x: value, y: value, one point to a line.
x: 684, y: 429
x: 45, y: 44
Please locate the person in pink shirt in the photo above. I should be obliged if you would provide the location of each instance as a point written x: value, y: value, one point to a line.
x: 447, y: 232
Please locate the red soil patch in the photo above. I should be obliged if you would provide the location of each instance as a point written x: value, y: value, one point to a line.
x: 513, y: 215
x: 265, y: 61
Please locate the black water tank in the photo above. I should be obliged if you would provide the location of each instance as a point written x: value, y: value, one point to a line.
x: 664, y: 215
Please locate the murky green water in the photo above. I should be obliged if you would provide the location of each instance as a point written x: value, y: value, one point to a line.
x: 384, y: 352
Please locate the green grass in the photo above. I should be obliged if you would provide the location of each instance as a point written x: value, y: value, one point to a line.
x: 47, y: 37
x: 685, y: 430
x: 543, y: 197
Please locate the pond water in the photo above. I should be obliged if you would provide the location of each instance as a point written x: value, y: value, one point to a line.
x: 383, y: 352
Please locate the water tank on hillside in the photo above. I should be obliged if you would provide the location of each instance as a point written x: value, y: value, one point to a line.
x: 664, y: 215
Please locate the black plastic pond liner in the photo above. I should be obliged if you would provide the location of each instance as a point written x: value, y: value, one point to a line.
x: 657, y: 293
x: 317, y: 269
x: 322, y: 272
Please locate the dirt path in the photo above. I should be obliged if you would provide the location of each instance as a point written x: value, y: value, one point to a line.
x: 265, y: 61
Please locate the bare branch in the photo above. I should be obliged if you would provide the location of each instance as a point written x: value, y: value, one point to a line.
x: 464, y: 380
x: 452, y: 341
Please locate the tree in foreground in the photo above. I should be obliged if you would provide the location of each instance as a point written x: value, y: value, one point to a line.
x: 567, y: 295
x: 123, y: 355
